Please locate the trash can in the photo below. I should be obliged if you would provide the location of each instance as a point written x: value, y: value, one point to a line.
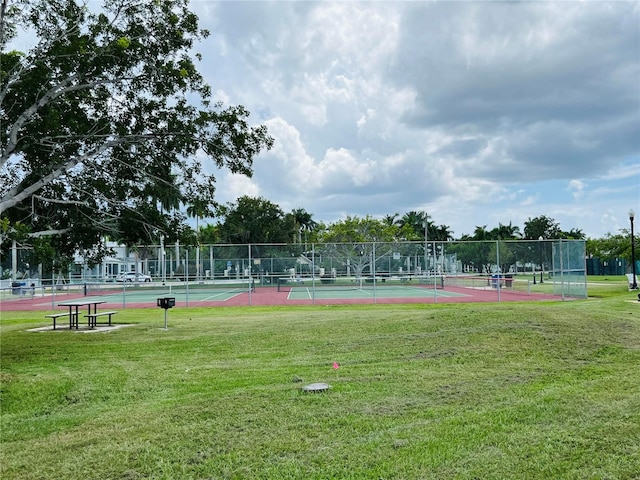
x: 508, y: 281
x: 17, y: 288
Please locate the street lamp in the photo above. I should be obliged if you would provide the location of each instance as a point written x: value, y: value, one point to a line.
x: 163, y: 266
x: 541, y: 262
x: 634, y: 284
x: 533, y: 266
x: 425, y: 224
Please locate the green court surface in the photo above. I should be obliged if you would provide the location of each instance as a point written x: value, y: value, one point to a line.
x: 354, y: 292
x: 181, y: 292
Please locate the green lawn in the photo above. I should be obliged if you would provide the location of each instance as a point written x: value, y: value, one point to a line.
x: 488, y: 391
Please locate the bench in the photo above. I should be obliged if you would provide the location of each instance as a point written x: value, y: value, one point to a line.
x: 93, y: 317
x: 630, y: 278
x: 55, y: 316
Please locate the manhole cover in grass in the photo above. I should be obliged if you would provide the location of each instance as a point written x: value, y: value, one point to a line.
x: 316, y: 387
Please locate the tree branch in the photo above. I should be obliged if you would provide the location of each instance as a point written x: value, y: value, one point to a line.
x: 54, y: 92
x: 48, y: 233
x: 15, y: 195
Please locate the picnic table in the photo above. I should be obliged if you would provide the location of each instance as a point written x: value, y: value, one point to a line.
x: 74, y: 312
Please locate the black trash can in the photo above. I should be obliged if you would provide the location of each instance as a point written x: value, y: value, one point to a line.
x: 508, y: 281
x: 17, y: 288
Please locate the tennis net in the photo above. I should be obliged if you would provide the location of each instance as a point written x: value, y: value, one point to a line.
x: 288, y: 284
x: 479, y: 282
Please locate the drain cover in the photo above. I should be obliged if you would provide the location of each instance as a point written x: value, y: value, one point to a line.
x: 316, y: 387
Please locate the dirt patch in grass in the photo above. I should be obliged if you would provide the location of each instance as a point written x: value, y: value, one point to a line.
x: 82, y: 328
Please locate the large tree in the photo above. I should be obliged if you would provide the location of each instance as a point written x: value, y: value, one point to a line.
x: 611, y: 246
x: 255, y: 220
x: 350, y: 241
x: 106, y: 125
x: 304, y: 222
x: 541, y: 227
x: 413, y: 222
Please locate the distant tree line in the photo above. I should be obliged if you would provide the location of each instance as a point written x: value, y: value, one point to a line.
x: 258, y: 220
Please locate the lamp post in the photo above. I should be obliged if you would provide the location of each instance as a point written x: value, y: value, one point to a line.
x: 634, y: 284
x: 541, y: 262
x: 163, y: 266
x: 425, y: 224
x: 533, y: 265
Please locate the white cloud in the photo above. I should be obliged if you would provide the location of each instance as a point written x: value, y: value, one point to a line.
x: 474, y: 111
x: 624, y: 171
x: 341, y: 168
x: 233, y: 186
x: 288, y: 166
x: 576, y: 187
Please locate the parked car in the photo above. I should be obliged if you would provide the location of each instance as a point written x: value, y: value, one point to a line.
x: 133, y: 277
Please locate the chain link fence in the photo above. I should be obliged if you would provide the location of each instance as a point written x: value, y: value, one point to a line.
x: 554, y: 266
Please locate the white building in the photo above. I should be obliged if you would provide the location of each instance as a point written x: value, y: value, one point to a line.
x: 123, y: 260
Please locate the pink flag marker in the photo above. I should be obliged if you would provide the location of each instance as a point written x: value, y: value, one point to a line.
x: 335, y: 365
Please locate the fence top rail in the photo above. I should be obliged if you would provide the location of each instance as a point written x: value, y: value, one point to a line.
x: 309, y: 245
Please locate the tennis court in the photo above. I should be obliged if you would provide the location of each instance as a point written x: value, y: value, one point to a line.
x: 182, y: 294
x: 288, y: 291
x: 368, y: 292
x: 131, y: 295
x: 288, y: 274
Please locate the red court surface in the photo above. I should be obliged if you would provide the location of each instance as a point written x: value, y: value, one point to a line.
x: 269, y: 296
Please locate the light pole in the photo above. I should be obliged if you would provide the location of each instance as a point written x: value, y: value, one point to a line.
x: 163, y: 266
x: 425, y: 224
x: 533, y: 266
x: 634, y: 284
x: 541, y: 262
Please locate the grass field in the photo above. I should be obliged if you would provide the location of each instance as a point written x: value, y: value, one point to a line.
x: 487, y: 391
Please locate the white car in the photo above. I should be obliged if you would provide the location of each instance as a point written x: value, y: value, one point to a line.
x: 133, y: 277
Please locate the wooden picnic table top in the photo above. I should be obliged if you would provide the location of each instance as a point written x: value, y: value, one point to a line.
x: 81, y: 303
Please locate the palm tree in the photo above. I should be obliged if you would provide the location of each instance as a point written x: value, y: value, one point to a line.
x: 416, y: 221
x: 481, y: 233
x: 443, y: 233
x: 508, y: 232
x: 391, y: 220
x: 303, y: 221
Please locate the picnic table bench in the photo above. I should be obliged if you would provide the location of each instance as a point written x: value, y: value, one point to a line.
x: 55, y: 316
x: 93, y: 317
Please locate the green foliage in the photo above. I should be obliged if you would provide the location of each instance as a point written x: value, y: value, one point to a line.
x: 351, y: 240
x: 548, y: 228
x: 413, y: 222
x: 17, y: 231
x: 541, y: 227
x: 255, y: 220
x: 573, y: 234
x: 357, y: 229
x: 613, y: 246
x: 412, y: 227
x: 123, y: 42
x: 303, y: 222
x: 209, y: 234
x: 107, y: 126
x: 476, y: 254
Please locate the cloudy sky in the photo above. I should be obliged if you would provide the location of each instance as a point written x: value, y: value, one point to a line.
x: 477, y: 112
